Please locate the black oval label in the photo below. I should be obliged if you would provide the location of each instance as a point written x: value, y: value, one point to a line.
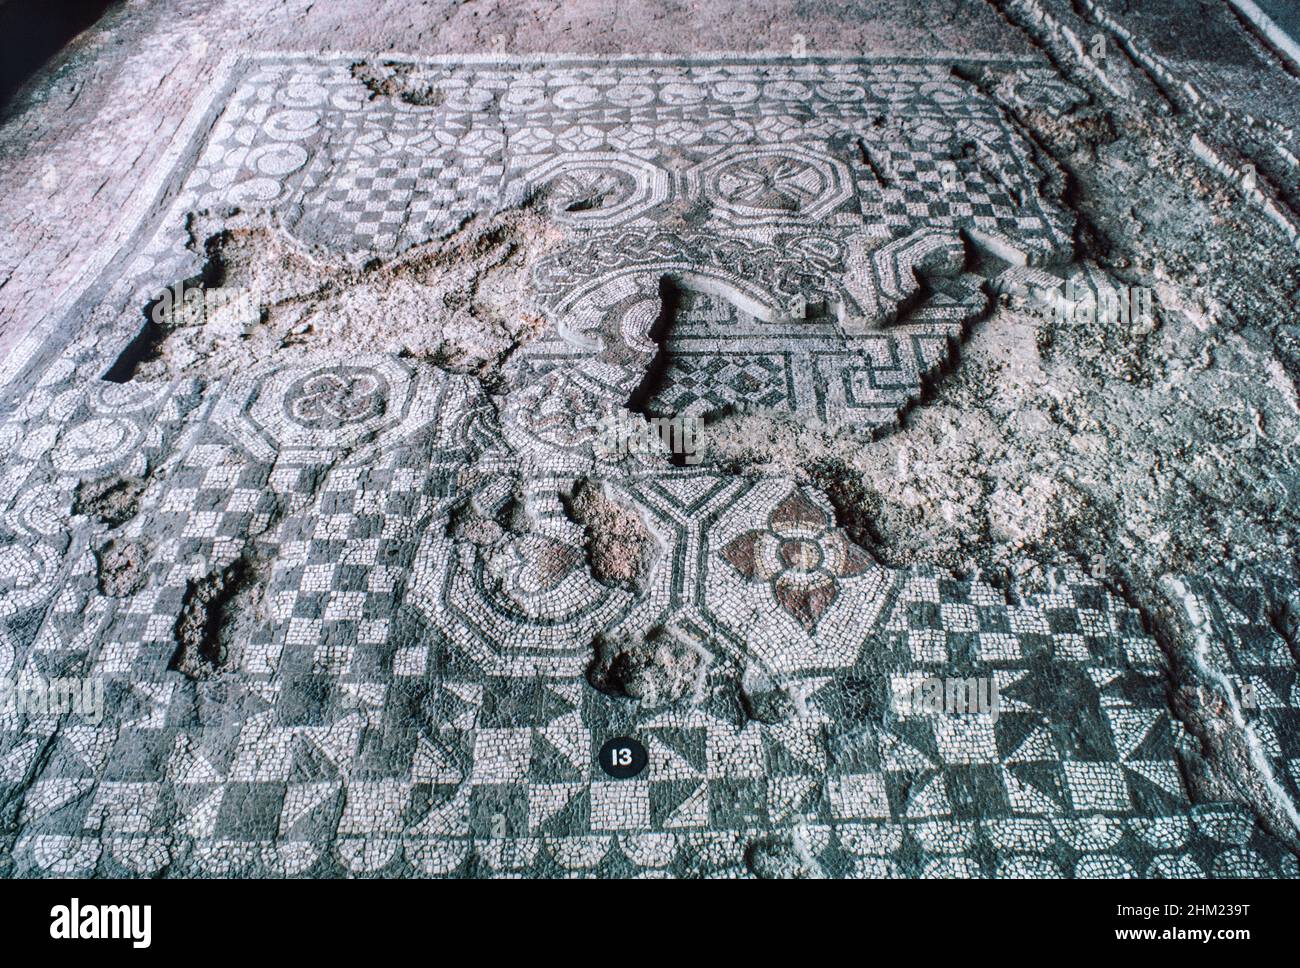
x: 623, y: 757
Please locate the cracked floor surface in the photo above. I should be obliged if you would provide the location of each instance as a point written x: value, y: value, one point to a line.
x: 984, y: 331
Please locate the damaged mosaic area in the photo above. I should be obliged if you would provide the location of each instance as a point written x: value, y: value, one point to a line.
x: 367, y: 600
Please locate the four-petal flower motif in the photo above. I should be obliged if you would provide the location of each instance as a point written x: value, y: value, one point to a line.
x: 801, y: 555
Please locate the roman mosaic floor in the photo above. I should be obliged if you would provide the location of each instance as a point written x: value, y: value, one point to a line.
x: 347, y: 609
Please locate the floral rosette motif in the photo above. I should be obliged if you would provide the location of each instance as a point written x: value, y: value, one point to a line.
x: 801, y: 555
